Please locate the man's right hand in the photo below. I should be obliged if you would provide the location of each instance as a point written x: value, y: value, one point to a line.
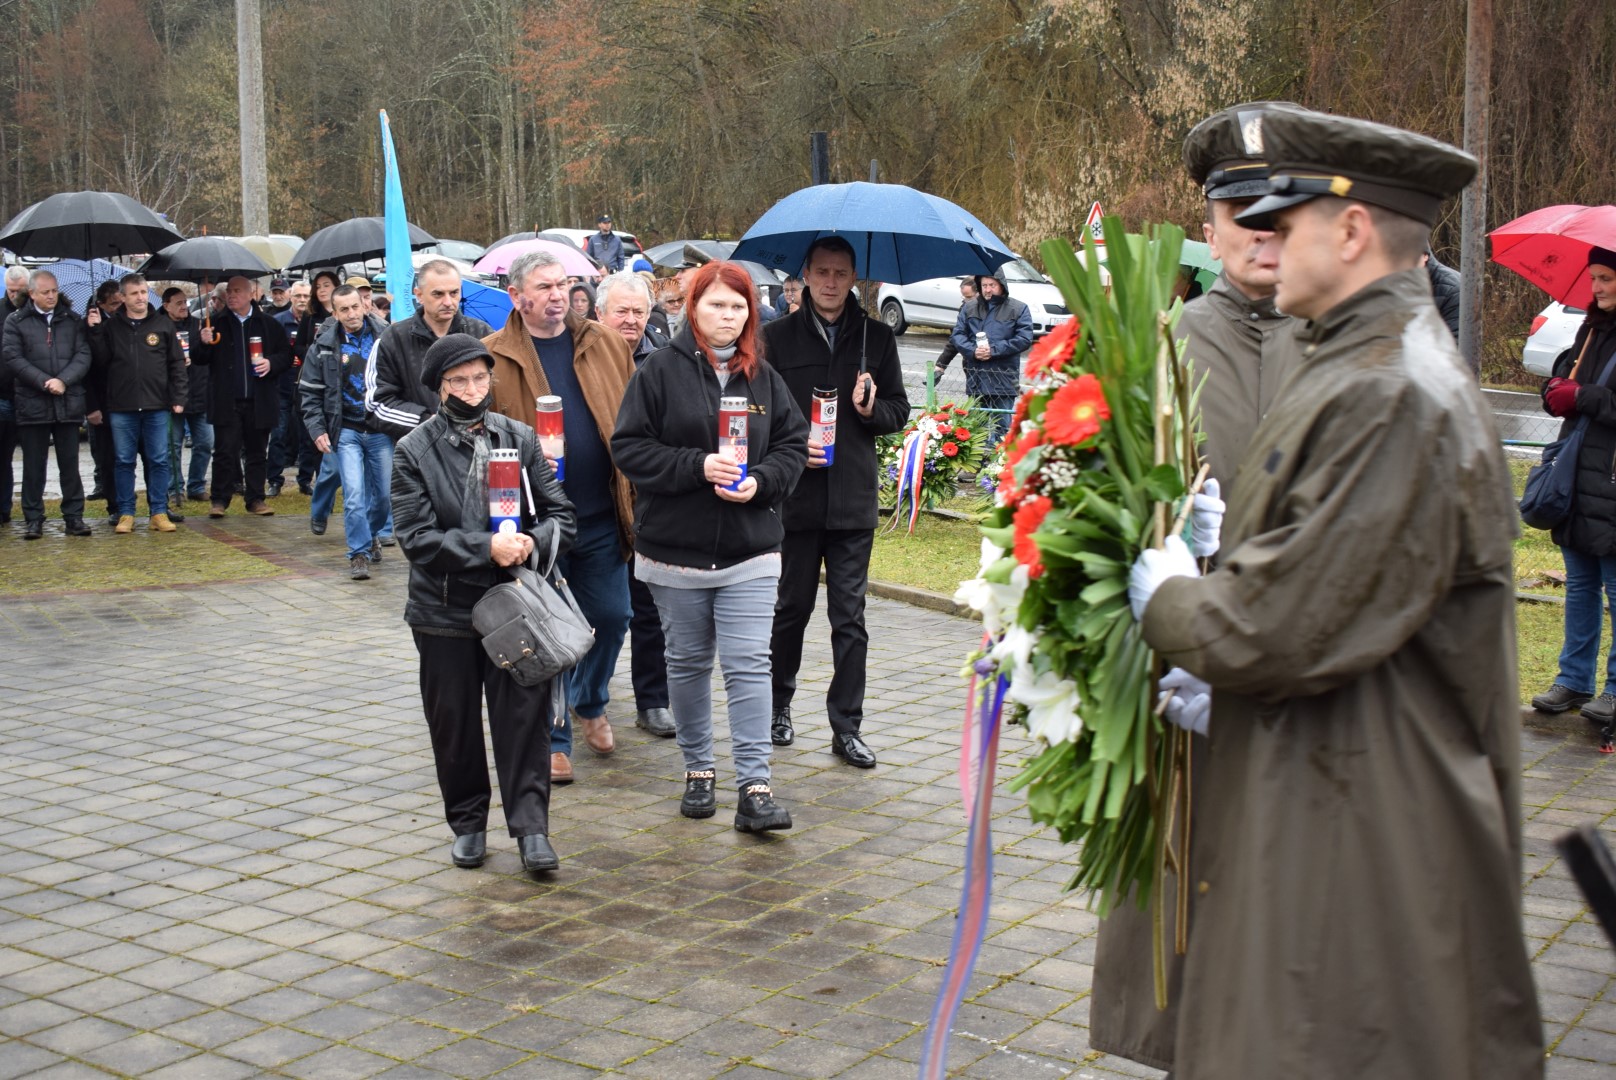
x: 210, y: 336
x: 94, y: 417
x: 816, y: 454
x: 93, y: 318
x: 508, y: 549
x: 323, y: 444
x: 56, y: 386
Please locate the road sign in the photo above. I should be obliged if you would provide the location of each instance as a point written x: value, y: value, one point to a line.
x: 1092, y: 224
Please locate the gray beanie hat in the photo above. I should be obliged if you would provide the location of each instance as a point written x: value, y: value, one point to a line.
x: 450, y: 351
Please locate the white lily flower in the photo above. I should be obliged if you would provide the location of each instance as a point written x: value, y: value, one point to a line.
x: 1015, y: 647
x: 994, y: 601
x: 1051, y: 703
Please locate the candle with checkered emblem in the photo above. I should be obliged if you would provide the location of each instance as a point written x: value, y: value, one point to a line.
x: 504, y: 491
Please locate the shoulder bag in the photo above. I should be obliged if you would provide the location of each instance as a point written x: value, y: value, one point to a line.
x: 531, y: 626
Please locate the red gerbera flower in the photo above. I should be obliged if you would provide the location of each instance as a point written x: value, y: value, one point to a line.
x: 1075, y: 412
x: 1055, y: 349
x: 960, y: 410
x: 1029, y: 515
x: 951, y: 449
x: 962, y: 433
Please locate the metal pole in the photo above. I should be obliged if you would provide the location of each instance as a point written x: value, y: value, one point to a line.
x: 873, y: 180
x: 250, y: 96
x: 1473, y: 206
x: 819, y: 157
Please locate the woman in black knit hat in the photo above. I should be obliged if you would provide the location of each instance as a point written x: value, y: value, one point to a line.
x: 441, y: 519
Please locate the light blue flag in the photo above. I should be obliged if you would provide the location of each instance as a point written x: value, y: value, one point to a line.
x: 400, y: 271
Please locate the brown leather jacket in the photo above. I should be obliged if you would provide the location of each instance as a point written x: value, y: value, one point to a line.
x: 604, y: 366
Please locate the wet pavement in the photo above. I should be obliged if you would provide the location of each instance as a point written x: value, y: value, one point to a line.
x: 223, y: 855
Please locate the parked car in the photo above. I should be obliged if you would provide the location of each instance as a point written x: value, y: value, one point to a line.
x: 936, y: 301
x: 1552, y: 333
x: 464, y: 250
x: 631, y: 243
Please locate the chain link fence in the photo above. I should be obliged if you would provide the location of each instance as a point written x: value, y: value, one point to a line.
x: 1520, y: 419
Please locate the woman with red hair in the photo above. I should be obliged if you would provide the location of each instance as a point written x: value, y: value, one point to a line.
x: 707, y: 531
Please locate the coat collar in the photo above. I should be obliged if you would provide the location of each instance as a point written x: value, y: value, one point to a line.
x: 1242, y: 307
x: 1402, y: 290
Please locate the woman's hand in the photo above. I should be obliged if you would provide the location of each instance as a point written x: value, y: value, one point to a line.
x: 742, y: 494
x: 1561, y: 397
x: 719, y: 469
x: 508, y: 549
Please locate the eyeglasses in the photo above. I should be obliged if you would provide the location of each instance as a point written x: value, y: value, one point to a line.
x: 466, y: 382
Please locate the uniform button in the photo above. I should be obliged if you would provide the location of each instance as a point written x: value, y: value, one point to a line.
x: 1203, y: 888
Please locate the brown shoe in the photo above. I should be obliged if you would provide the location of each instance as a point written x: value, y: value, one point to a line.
x: 260, y: 509
x: 597, y: 733
x: 126, y: 525
x: 216, y: 510
x: 560, y: 769
x: 160, y: 523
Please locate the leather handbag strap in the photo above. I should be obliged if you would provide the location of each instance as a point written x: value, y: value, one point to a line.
x: 1580, y: 355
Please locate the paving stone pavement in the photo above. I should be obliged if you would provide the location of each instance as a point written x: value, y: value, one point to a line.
x: 222, y: 855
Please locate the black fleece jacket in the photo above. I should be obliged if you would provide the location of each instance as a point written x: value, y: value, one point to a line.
x: 666, y: 427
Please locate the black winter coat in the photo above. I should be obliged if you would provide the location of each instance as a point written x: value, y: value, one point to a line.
x: 221, y: 357
x: 666, y: 427
x: 140, y: 366
x: 1445, y: 290
x: 450, y: 559
x: 394, y: 395
x: 1591, y: 529
x: 7, y: 380
x: 35, y: 354
x: 196, y: 375
x: 845, y: 495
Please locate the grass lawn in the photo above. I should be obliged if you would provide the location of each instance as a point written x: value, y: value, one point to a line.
x: 942, y: 553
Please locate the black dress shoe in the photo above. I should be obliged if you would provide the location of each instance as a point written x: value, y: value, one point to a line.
x: 33, y: 530
x: 94, y: 495
x: 275, y: 488
x: 658, y: 722
x: 780, y: 732
x: 470, y: 849
x: 304, y: 488
x: 851, y: 749
x: 175, y: 515
x: 76, y: 527
x: 537, y: 854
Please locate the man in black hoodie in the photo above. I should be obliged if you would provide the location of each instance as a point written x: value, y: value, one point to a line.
x: 830, y: 343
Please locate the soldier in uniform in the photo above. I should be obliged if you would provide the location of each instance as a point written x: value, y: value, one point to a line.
x: 1242, y: 344
x: 1358, y: 833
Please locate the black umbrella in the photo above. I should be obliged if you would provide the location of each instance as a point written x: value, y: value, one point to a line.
x: 673, y: 256
x: 352, y: 241
x: 204, y: 258
x: 87, y: 225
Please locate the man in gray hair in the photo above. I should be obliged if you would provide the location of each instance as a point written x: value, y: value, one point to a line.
x: 623, y: 303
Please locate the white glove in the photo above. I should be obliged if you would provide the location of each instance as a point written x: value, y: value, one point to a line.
x: 1189, y: 700
x: 1206, y: 520
x: 1155, y: 566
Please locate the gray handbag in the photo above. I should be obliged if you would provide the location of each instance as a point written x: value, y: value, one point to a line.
x: 531, y: 626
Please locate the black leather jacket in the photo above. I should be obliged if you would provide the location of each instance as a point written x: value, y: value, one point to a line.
x: 450, y: 567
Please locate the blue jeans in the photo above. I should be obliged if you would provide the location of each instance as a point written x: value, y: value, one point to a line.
x: 598, y: 576
x: 146, y: 432
x: 732, y: 621
x: 365, y: 461
x: 196, y: 484
x: 1590, y: 590
x: 325, y: 487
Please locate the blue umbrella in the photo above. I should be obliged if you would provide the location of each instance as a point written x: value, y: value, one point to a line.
x: 77, y: 279
x: 899, y: 235
x: 491, y: 305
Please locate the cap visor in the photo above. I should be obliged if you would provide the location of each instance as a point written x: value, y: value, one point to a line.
x: 1240, y: 189
x: 1260, y: 214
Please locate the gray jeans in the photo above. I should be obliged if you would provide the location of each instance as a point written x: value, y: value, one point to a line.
x: 734, y: 621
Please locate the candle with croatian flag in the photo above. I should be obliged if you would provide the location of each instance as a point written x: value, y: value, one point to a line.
x: 823, y: 422
x: 732, y: 435
x: 504, y: 491
x: 552, y: 438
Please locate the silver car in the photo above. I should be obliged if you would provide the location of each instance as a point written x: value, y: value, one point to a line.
x: 936, y: 301
x: 1552, y: 333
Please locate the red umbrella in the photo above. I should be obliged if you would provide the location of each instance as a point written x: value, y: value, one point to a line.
x: 1549, y: 248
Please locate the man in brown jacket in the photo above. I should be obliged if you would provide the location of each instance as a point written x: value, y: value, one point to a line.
x: 1244, y: 346
x: 1358, y: 855
x: 546, y: 349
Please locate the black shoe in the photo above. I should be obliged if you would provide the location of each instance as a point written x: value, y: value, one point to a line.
x: 388, y: 541
x: 470, y: 849
x: 375, y: 549
x: 275, y: 487
x: 851, y: 749
x: 33, y: 530
x: 537, y: 854
x: 359, y: 568
x: 305, y: 488
x: 758, y: 812
x: 698, y: 801
x: 1558, y: 698
x: 317, y: 526
x: 76, y: 527
x: 658, y: 722
x: 98, y: 493
x: 780, y: 732
x: 175, y: 515
x: 1601, y: 710
x: 196, y: 496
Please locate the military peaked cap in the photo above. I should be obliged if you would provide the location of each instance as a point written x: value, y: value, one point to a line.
x: 1224, y: 152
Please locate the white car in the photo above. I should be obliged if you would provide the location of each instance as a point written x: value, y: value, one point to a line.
x: 936, y: 301
x: 631, y: 243
x: 1552, y: 333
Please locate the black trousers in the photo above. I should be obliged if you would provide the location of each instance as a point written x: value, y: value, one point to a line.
x: 36, y: 440
x: 8, y: 451
x: 648, y: 666
x: 456, y: 676
x: 845, y: 554
x: 237, y: 437
x: 102, y: 454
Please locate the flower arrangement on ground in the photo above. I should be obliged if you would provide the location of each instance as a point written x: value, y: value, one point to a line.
x: 921, y: 465
x: 1098, y: 457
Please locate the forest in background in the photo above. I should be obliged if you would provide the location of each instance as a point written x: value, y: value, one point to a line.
x: 691, y: 117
